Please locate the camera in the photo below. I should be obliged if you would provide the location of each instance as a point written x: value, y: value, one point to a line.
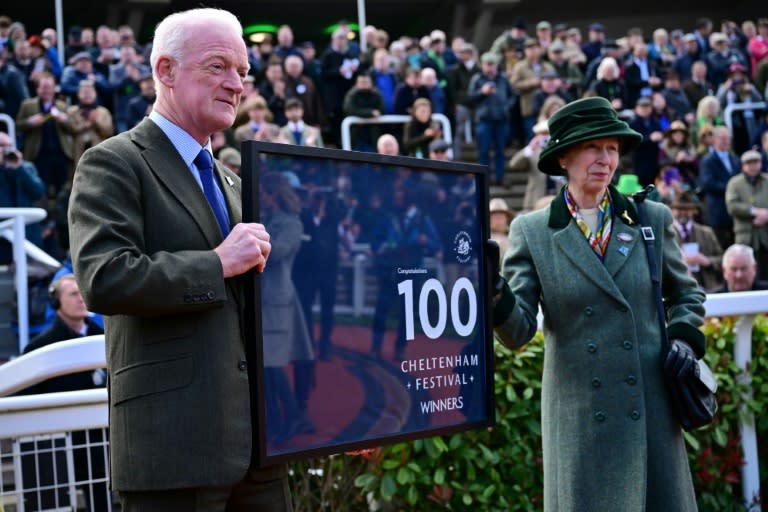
x: 10, y: 155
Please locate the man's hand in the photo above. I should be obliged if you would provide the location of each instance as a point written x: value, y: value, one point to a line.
x: 247, y: 246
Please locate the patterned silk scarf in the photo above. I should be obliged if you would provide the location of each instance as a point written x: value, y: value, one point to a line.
x: 598, y: 241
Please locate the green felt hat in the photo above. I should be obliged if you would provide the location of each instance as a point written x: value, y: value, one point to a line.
x: 580, y: 121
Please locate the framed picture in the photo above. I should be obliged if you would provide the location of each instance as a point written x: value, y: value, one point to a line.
x: 370, y: 323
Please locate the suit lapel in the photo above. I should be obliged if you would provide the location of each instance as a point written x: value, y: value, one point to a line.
x: 231, y: 194
x: 166, y: 164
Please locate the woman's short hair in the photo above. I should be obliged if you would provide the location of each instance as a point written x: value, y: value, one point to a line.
x: 607, y: 62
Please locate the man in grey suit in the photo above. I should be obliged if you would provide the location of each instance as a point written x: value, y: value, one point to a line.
x: 158, y: 245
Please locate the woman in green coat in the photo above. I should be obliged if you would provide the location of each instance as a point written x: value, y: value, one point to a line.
x: 611, y: 440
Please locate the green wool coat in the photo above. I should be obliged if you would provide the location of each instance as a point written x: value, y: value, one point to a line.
x: 611, y: 442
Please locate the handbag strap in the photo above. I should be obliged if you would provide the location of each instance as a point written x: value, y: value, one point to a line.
x: 650, y: 250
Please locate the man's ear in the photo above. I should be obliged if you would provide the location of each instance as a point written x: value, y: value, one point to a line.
x: 165, y: 70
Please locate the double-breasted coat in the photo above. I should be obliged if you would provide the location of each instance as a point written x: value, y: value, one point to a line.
x: 142, y: 240
x: 610, y: 439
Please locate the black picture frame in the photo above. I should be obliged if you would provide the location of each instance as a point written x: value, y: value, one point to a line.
x: 260, y: 156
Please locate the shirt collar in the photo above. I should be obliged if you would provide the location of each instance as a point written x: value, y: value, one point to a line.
x: 184, y: 143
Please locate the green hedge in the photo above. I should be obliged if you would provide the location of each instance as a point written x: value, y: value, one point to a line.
x: 500, y: 469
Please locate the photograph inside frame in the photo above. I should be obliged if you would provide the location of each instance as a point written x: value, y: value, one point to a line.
x: 372, y: 303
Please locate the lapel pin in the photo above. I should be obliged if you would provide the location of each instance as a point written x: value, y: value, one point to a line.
x: 229, y: 180
x: 624, y: 250
x: 625, y: 237
x: 627, y: 218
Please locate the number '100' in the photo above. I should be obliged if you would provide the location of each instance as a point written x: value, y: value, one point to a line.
x: 434, y: 331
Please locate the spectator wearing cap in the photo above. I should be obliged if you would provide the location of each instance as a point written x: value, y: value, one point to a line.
x: 551, y: 85
x: 501, y: 217
x: 45, y: 54
x: 231, y: 159
x: 641, y: 75
x: 299, y: 86
x: 595, y: 38
x: 141, y: 106
x: 677, y: 149
x: 296, y: 131
x: 438, y: 150
x: 89, y: 122
x: 684, y: 62
x: 720, y: 59
x: 526, y: 161
x: 81, y: 68
x: 757, y: 47
x: 273, y: 89
x: 567, y: 67
x: 338, y: 66
x: 677, y: 42
x: 285, y: 46
x: 544, y: 35
x: 746, y: 198
x: 364, y: 100
x: 75, y: 42
x: 697, y: 86
x: 525, y: 77
x: 312, y: 66
x: 738, y: 88
x: 124, y: 79
x: 645, y: 158
x: 458, y: 87
x: 608, y: 83
x: 701, y: 250
x: 715, y: 170
x: 515, y: 36
x: 492, y: 96
x: 14, y: 87
x: 434, y: 56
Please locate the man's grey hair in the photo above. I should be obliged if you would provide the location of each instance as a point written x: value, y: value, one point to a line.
x: 740, y: 250
x: 173, y: 33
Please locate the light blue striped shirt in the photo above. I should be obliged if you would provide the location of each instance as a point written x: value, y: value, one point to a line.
x: 188, y: 149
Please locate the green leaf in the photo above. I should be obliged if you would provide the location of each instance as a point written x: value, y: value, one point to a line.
x: 440, y: 476
x: 390, y: 464
x: 388, y: 487
x: 404, y: 476
x: 364, y: 480
x: 467, y: 499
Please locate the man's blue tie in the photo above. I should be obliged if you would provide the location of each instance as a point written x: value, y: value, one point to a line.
x: 204, y: 164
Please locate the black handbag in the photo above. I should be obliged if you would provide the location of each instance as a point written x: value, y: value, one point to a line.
x: 693, y: 395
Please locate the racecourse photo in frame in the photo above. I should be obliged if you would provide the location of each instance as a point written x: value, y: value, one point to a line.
x: 370, y: 323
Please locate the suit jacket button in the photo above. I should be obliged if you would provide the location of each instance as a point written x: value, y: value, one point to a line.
x: 600, y: 416
x: 596, y: 383
x: 242, y: 366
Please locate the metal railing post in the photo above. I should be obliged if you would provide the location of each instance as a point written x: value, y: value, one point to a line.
x: 750, y: 472
x: 22, y: 295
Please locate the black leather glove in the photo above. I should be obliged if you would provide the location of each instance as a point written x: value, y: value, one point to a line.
x: 680, y: 360
x: 503, y: 299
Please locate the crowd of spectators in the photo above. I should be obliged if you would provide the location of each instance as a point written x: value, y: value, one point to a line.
x: 672, y: 86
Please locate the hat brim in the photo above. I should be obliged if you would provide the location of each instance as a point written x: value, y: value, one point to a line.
x: 628, y: 140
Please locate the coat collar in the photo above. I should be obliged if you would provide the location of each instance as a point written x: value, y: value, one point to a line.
x: 624, y: 210
x: 167, y: 165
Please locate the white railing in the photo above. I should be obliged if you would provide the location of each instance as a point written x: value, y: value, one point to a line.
x: 730, y: 109
x: 17, y: 219
x: 77, y: 410
x: 346, y: 125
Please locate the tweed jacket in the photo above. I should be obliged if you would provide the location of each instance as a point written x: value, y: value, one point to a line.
x: 309, y: 134
x: 610, y: 439
x: 33, y: 135
x: 521, y: 77
x: 740, y: 196
x: 712, y: 276
x: 87, y: 134
x: 142, y: 240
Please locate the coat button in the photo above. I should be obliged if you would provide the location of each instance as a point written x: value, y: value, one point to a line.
x: 591, y: 348
x: 588, y: 311
x: 600, y: 416
x: 631, y: 380
x: 242, y: 366
x: 627, y: 345
x: 635, y: 415
x: 211, y: 295
x: 596, y: 383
